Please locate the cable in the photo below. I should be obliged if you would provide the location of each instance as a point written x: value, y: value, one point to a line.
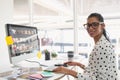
x: 37, y: 62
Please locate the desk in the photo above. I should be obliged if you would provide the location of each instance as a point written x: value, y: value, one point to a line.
x: 61, y: 59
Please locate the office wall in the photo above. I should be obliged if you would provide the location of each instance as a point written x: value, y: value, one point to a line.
x: 6, y: 16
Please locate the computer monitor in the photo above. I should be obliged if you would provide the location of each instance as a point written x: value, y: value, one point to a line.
x: 26, y: 42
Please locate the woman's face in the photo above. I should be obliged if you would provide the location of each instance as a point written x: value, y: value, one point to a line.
x: 94, y: 27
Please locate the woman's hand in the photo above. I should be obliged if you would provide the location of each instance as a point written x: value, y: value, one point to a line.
x: 72, y: 63
x: 61, y: 69
x: 75, y: 64
x: 64, y: 70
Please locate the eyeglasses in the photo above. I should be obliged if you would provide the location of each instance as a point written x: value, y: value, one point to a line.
x: 94, y: 25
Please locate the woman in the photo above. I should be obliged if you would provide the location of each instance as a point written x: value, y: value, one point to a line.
x: 102, y: 60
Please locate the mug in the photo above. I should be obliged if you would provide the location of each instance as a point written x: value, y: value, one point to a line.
x: 70, y: 55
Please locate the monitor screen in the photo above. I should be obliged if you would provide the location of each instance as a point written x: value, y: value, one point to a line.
x: 26, y: 42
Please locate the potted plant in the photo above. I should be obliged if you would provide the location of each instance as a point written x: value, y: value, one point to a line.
x: 53, y: 54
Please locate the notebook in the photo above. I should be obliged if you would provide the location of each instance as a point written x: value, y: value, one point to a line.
x: 36, y: 76
x: 47, y: 74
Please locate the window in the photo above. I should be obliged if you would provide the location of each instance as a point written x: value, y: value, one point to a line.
x: 56, y: 17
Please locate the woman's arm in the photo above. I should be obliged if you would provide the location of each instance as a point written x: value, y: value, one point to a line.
x: 65, y: 71
x: 81, y: 65
x: 76, y: 64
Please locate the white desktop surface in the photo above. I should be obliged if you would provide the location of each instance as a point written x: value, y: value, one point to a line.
x: 60, y: 60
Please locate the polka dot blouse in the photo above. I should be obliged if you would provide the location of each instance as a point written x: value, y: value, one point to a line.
x: 102, y: 63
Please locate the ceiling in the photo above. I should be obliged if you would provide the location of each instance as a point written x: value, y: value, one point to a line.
x: 57, y: 12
